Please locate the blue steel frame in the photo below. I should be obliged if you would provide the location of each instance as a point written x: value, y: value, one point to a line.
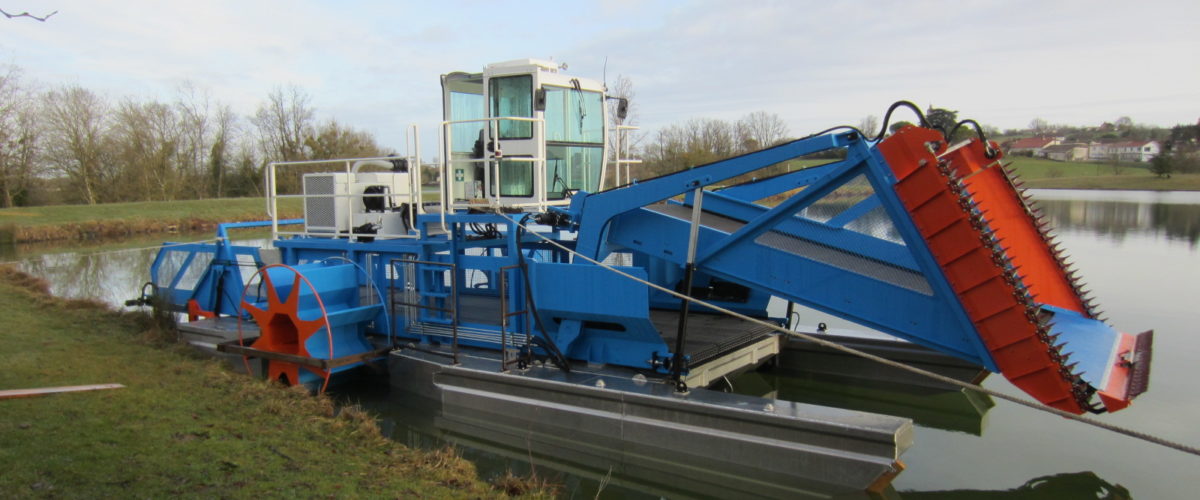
x: 920, y: 307
x: 219, y: 288
x: 931, y: 314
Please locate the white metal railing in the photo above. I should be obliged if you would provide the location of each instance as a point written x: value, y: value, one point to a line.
x: 412, y: 199
x: 492, y: 197
x: 621, y: 155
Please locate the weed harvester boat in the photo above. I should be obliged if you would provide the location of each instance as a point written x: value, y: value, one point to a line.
x: 535, y: 288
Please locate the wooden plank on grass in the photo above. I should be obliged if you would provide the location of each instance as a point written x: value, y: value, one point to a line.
x: 24, y: 393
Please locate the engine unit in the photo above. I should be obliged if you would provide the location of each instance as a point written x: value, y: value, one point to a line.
x: 336, y: 203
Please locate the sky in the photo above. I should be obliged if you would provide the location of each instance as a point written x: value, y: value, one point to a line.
x: 375, y: 65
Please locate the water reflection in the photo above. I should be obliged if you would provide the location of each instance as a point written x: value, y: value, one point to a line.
x: 1071, y: 486
x: 957, y: 409
x: 110, y: 271
x: 583, y: 474
x: 1171, y: 218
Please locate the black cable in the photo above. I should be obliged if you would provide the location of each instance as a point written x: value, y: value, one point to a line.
x: 887, y: 117
x: 991, y: 153
x: 555, y: 355
x: 831, y: 129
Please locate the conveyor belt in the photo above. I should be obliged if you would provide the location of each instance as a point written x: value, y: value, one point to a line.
x: 808, y: 249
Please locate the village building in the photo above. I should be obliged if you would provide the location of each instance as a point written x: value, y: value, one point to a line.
x: 1032, y: 146
x: 1066, y: 152
x: 1131, y: 151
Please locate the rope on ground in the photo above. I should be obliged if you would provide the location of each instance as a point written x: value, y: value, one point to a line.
x: 122, y: 250
x: 878, y: 359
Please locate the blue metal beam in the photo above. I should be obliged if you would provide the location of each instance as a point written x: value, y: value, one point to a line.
x: 788, y: 209
x: 594, y: 211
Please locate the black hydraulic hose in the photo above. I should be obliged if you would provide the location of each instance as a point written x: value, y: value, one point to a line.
x: 887, y: 117
x: 546, y: 343
x: 991, y: 153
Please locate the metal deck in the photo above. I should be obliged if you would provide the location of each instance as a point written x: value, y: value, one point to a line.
x: 717, y: 345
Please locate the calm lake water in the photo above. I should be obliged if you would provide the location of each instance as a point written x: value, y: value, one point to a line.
x: 1138, y: 251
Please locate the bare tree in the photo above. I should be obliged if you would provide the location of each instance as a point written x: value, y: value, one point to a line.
x: 629, y: 141
x: 76, y: 123
x: 333, y: 140
x: 1039, y: 126
x: 283, y: 123
x: 225, y: 123
x: 194, y: 106
x: 760, y: 129
x: 146, y: 138
x: 869, y: 125
x: 244, y: 177
x: 19, y: 138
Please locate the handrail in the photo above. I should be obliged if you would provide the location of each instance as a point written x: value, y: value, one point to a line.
x: 414, y: 196
x: 619, y: 148
x: 415, y: 277
x: 491, y: 163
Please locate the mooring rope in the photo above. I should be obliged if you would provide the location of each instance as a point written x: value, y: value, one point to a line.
x: 879, y: 359
x: 121, y: 250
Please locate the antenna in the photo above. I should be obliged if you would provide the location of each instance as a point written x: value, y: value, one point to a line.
x: 604, y: 74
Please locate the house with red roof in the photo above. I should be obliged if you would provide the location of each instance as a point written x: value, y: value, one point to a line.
x: 1033, y: 146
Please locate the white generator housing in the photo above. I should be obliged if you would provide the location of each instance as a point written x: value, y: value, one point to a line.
x: 335, y: 203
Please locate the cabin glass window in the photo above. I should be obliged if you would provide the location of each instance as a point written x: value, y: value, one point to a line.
x: 465, y: 106
x: 574, y: 115
x: 572, y: 168
x: 516, y: 178
x: 513, y: 96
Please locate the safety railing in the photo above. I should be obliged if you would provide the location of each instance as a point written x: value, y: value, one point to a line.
x: 489, y: 195
x: 505, y: 317
x: 621, y: 155
x: 411, y: 201
x: 415, y: 299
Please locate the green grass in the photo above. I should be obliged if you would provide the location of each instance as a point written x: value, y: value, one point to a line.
x: 212, y: 209
x: 85, y: 222
x: 1147, y: 182
x: 1040, y: 168
x: 1049, y: 174
x: 182, y: 426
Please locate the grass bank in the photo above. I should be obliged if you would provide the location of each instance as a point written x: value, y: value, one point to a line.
x: 183, y: 425
x: 1049, y: 174
x: 84, y: 222
x: 1146, y: 182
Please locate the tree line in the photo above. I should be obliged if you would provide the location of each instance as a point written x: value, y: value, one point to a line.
x: 70, y: 144
x: 699, y: 141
